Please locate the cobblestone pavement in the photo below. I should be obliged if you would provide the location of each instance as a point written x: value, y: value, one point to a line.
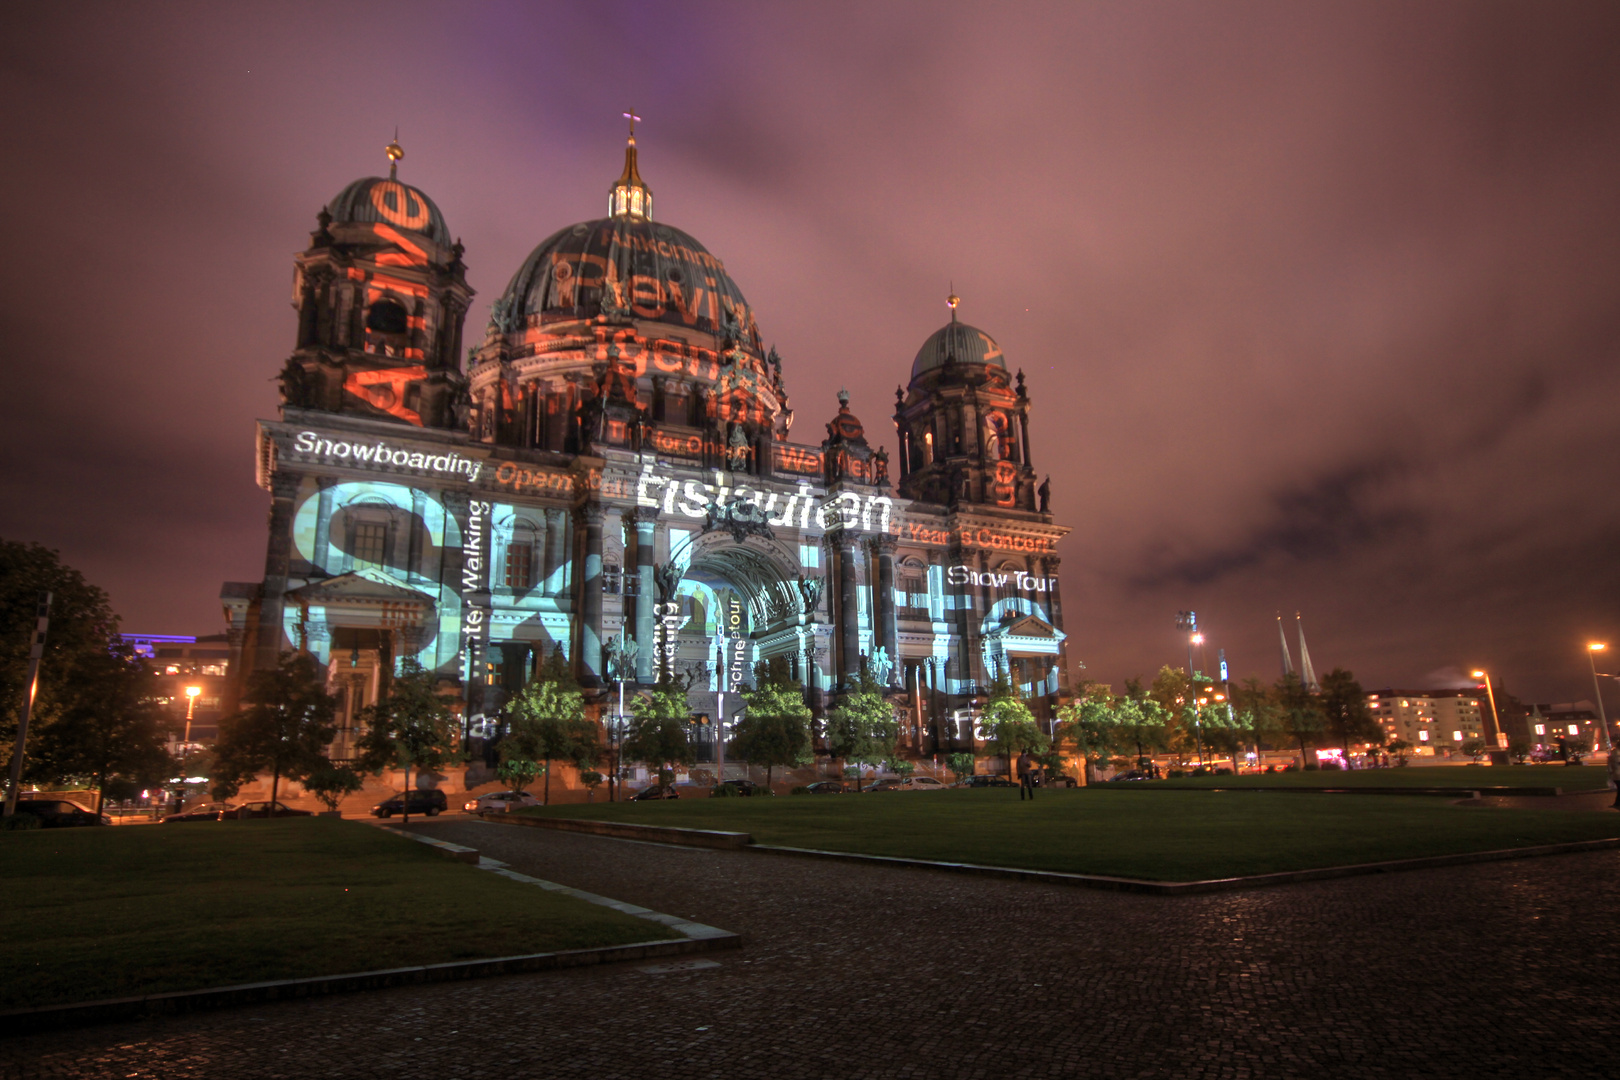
x: 1499, y: 970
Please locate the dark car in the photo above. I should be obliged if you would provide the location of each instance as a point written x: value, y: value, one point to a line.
x: 263, y: 810
x: 214, y: 811
x: 1134, y: 774
x: 748, y: 787
x: 827, y: 787
x: 1057, y: 780
x: 987, y: 780
x: 59, y: 813
x: 657, y: 791
x: 425, y: 802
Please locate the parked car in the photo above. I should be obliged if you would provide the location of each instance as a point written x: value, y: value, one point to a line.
x: 501, y: 801
x: 1134, y: 774
x: 1060, y: 780
x: 428, y: 803
x: 60, y: 814
x: 986, y: 780
x: 213, y: 811
x: 888, y: 783
x: 827, y: 787
x: 748, y: 787
x: 264, y: 810
x: 906, y: 783
x: 656, y: 791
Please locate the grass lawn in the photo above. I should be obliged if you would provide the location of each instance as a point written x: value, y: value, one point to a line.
x: 1570, y: 778
x: 120, y: 912
x: 1166, y: 836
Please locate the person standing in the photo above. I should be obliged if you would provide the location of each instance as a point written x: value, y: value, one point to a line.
x: 1614, y: 773
x: 1026, y: 777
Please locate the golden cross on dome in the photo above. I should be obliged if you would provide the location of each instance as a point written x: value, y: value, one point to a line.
x: 952, y: 300
x: 395, y: 152
x: 632, y: 117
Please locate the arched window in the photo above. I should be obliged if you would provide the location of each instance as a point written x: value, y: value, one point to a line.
x: 387, y: 317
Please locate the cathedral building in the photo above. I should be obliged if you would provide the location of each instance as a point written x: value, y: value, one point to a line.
x: 610, y: 470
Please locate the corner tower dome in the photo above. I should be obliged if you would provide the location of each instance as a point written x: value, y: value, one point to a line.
x: 377, y: 201
x: 956, y: 342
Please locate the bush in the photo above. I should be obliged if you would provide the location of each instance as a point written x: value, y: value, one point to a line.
x: 1271, y: 768
x: 1200, y: 771
x: 1223, y: 771
x: 19, y: 822
x: 1177, y: 774
x: 1329, y: 766
x: 725, y: 791
x: 1311, y: 766
x: 802, y: 789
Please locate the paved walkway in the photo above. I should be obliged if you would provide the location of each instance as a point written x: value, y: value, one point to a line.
x: 1504, y: 970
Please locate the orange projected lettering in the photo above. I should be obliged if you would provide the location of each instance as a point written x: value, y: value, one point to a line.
x: 537, y: 481
x: 385, y: 390
x: 793, y: 459
x: 398, y: 204
x: 409, y: 254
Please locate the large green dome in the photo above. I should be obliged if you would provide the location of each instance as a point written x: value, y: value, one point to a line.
x: 959, y: 343
x: 382, y: 201
x: 657, y: 272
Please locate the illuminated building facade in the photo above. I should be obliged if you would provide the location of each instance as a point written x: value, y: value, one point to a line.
x: 610, y: 472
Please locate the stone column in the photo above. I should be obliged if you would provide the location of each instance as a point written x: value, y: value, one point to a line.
x: 590, y: 606
x: 556, y: 554
x: 1023, y: 435
x: 323, y: 525
x: 646, y: 522
x: 277, y: 564
x: 849, y: 609
x: 887, y: 629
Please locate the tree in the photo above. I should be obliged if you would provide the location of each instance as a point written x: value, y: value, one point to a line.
x: 410, y: 727
x: 1143, y: 722
x: 1091, y: 721
x: 961, y: 765
x: 82, y: 628
x: 332, y: 783
x: 1344, y: 708
x: 1255, y: 713
x: 548, y: 723
x: 1300, y: 718
x: 517, y: 772
x: 590, y: 778
x: 1520, y: 750
x: 658, y: 728
x: 775, y: 727
x: 284, y: 727
x: 1474, y: 748
x: 1008, y: 725
x: 108, y: 727
x: 862, y: 729
x: 1400, y: 749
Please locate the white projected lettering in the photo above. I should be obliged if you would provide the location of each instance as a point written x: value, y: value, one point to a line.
x: 1018, y: 579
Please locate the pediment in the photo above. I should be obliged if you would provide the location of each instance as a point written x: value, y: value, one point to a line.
x: 359, y: 587
x: 1030, y: 626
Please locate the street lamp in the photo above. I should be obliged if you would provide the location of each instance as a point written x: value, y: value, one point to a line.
x: 1592, y: 649
x: 1496, y: 720
x: 191, y: 707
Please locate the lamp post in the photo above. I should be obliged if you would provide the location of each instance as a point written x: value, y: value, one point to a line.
x: 1592, y: 649
x: 191, y: 707
x: 1496, y: 719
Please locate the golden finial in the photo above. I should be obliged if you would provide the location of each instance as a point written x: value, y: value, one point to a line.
x: 952, y: 300
x: 394, y: 152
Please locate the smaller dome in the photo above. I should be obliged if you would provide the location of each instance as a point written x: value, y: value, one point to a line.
x: 958, y: 341
x: 380, y: 200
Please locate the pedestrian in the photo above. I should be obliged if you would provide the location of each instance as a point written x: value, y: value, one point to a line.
x: 1026, y: 777
x: 1614, y: 773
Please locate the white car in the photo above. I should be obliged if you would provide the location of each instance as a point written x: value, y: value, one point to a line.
x: 910, y: 783
x: 500, y: 801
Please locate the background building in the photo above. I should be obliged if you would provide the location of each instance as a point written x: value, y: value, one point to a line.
x: 183, y: 663
x: 613, y: 475
x: 1431, y: 720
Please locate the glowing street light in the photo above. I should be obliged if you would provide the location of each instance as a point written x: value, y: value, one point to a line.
x: 1496, y: 719
x: 191, y: 707
x: 1592, y: 649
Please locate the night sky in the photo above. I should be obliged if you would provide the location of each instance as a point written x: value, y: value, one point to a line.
x: 1319, y: 303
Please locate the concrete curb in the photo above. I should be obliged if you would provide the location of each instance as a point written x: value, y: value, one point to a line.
x: 660, y: 834
x: 1183, y: 888
x: 695, y: 938
x: 1449, y: 792
x: 54, y: 1017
